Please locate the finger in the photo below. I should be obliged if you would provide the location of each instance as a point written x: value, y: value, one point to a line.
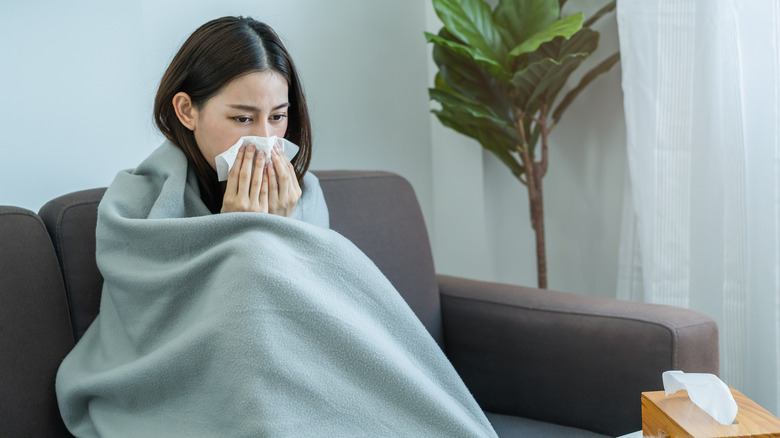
x: 295, y: 184
x: 273, y: 186
x: 245, y: 174
x: 290, y: 168
x: 232, y: 182
x: 263, y: 198
x: 283, y: 171
x: 257, y: 178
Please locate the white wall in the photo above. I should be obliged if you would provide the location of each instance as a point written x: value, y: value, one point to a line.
x: 80, y: 76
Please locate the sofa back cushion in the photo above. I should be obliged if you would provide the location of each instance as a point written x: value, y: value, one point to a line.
x: 71, y: 221
x: 36, y: 332
x: 377, y: 211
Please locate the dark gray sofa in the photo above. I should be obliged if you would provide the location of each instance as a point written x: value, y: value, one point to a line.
x: 540, y: 363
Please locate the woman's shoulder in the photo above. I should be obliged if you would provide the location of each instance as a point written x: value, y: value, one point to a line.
x: 310, y: 178
x: 311, y: 206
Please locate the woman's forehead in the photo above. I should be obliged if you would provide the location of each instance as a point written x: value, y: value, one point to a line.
x: 258, y: 89
x: 266, y: 82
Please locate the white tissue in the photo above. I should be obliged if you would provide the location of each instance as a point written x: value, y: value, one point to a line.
x: 706, y: 391
x: 225, y: 160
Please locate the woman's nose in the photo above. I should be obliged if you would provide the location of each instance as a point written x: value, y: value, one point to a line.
x: 262, y: 130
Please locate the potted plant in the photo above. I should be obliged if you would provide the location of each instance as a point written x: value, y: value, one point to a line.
x: 500, y: 74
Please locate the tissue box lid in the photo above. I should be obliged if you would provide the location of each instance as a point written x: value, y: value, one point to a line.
x: 675, y: 416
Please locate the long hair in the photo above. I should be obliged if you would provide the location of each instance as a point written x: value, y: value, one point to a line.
x: 216, y: 53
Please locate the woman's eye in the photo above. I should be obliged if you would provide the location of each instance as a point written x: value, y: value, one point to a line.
x: 242, y: 119
x: 278, y: 117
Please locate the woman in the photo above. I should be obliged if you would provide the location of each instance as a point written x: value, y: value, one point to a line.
x: 259, y: 321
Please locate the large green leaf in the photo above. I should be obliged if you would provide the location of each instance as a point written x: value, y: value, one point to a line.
x: 584, y: 41
x: 474, y: 109
x: 462, y: 74
x: 482, y: 130
x: 517, y: 20
x: 473, y: 82
x: 440, y: 84
x: 488, y: 139
x: 543, y: 80
x: 485, y: 133
x: 600, y: 69
x: 472, y: 22
x: 565, y: 27
x: 453, y: 101
x: 581, y: 44
x: 496, y: 69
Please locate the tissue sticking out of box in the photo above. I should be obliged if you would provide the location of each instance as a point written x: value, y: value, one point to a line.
x: 225, y: 160
x: 706, y: 391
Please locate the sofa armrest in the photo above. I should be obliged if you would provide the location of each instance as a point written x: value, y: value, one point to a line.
x: 568, y: 359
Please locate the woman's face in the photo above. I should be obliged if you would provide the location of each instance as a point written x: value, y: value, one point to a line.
x: 252, y: 104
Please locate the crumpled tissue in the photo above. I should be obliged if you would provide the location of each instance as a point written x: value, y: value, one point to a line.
x: 706, y: 391
x: 225, y: 160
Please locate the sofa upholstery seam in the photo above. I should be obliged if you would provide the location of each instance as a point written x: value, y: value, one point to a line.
x: 19, y: 211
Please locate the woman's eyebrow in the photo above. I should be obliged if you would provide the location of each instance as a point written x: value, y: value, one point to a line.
x: 256, y: 109
x: 245, y: 107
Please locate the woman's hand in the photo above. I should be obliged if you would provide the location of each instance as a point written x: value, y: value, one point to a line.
x: 283, y: 188
x: 270, y: 189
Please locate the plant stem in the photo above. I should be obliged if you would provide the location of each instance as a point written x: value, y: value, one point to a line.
x: 545, y: 132
x: 537, y: 213
x: 534, y: 172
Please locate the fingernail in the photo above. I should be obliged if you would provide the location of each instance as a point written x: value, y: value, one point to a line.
x: 251, y: 148
x: 241, y: 148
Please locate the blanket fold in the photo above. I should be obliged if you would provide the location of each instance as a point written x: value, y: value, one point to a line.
x: 248, y: 324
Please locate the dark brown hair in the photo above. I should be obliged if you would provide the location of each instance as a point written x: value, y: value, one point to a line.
x: 216, y: 53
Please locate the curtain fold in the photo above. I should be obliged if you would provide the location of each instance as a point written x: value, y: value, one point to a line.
x: 701, y: 217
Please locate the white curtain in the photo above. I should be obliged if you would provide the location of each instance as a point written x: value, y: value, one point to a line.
x: 701, y: 222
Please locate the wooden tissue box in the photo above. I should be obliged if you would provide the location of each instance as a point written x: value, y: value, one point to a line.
x: 675, y: 416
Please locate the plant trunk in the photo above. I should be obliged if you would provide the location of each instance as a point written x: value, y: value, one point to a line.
x: 537, y: 222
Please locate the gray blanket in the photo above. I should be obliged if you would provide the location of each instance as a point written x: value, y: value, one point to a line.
x: 248, y: 324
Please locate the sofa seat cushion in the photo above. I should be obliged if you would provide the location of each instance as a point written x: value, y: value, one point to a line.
x: 509, y: 426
